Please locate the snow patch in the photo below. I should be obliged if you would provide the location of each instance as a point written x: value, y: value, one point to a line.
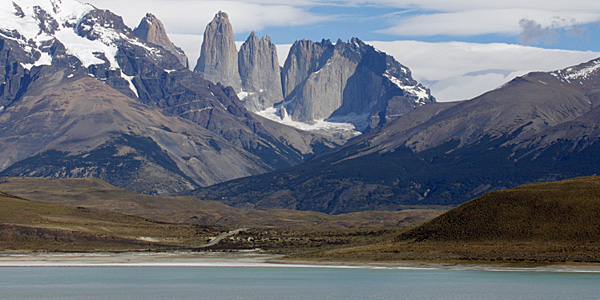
x: 323, y: 126
x: 68, y: 14
x: 44, y: 60
x: 131, y: 85
x: 65, y: 12
x: 414, y: 90
x: 87, y: 51
x: 583, y: 73
x: 197, y: 110
x: 1, y: 108
x: 243, y: 95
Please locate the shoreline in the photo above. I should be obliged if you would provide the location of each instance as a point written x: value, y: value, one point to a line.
x: 258, y: 259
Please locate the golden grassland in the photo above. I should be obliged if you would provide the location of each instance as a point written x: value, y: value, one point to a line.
x: 29, y: 225
x: 543, y: 222
x: 97, y: 194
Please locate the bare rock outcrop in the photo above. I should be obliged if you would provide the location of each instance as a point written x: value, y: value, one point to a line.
x: 260, y: 73
x: 218, y: 60
x: 152, y: 30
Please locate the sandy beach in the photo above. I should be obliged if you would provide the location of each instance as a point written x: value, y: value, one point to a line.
x: 257, y: 259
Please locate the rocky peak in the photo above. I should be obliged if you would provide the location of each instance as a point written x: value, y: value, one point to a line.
x: 47, y: 23
x: 95, y: 24
x: 304, y: 58
x: 260, y: 73
x: 152, y: 30
x: 349, y: 82
x: 18, y: 11
x: 218, y: 60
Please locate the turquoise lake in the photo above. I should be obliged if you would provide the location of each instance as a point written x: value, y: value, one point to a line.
x: 289, y: 283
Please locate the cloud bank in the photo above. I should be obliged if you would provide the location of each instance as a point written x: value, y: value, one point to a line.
x: 460, y: 71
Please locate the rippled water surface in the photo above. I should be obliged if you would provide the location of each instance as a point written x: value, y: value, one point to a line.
x: 289, y: 283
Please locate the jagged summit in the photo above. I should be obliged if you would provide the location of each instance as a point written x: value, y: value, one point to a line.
x: 152, y: 30
x: 339, y: 89
x: 348, y: 82
x: 260, y: 73
x: 80, y: 36
x: 218, y: 60
x: 72, y: 75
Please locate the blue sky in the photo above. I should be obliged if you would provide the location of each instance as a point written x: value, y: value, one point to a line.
x: 457, y: 48
x: 373, y: 22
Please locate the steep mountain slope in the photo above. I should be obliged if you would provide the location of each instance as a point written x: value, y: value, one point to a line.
x: 536, y: 128
x: 72, y: 40
x: 347, y: 87
x: 70, y: 125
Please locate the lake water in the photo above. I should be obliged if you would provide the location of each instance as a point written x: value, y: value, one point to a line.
x: 290, y: 283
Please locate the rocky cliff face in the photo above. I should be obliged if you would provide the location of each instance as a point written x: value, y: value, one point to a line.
x: 345, y: 82
x: 260, y: 73
x: 218, y: 60
x: 152, y: 30
x: 348, y: 82
x: 305, y: 57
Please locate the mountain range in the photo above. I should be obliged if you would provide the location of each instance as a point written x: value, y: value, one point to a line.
x: 346, y: 82
x: 83, y: 95
x: 539, y: 127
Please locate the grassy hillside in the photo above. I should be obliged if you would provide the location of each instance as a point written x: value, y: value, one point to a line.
x: 31, y: 225
x: 564, y: 211
x: 97, y: 194
x: 557, y: 221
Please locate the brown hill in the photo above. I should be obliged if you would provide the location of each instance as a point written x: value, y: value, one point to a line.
x: 564, y: 211
x: 543, y: 222
x: 29, y: 225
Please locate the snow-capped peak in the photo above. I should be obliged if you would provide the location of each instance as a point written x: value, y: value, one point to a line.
x: 581, y: 72
x: 31, y: 17
x: 91, y: 35
x: 41, y: 21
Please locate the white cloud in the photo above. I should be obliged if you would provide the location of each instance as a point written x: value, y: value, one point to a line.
x: 458, y: 71
x: 191, y: 17
x: 427, y: 17
x: 453, y: 5
x: 452, y: 70
x: 486, y: 21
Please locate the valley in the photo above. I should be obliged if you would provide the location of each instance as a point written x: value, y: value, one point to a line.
x: 538, y: 223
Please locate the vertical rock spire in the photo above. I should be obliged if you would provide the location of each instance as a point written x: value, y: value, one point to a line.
x: 260, y: 73
x: 152, y: 30
x: 218, y: 60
